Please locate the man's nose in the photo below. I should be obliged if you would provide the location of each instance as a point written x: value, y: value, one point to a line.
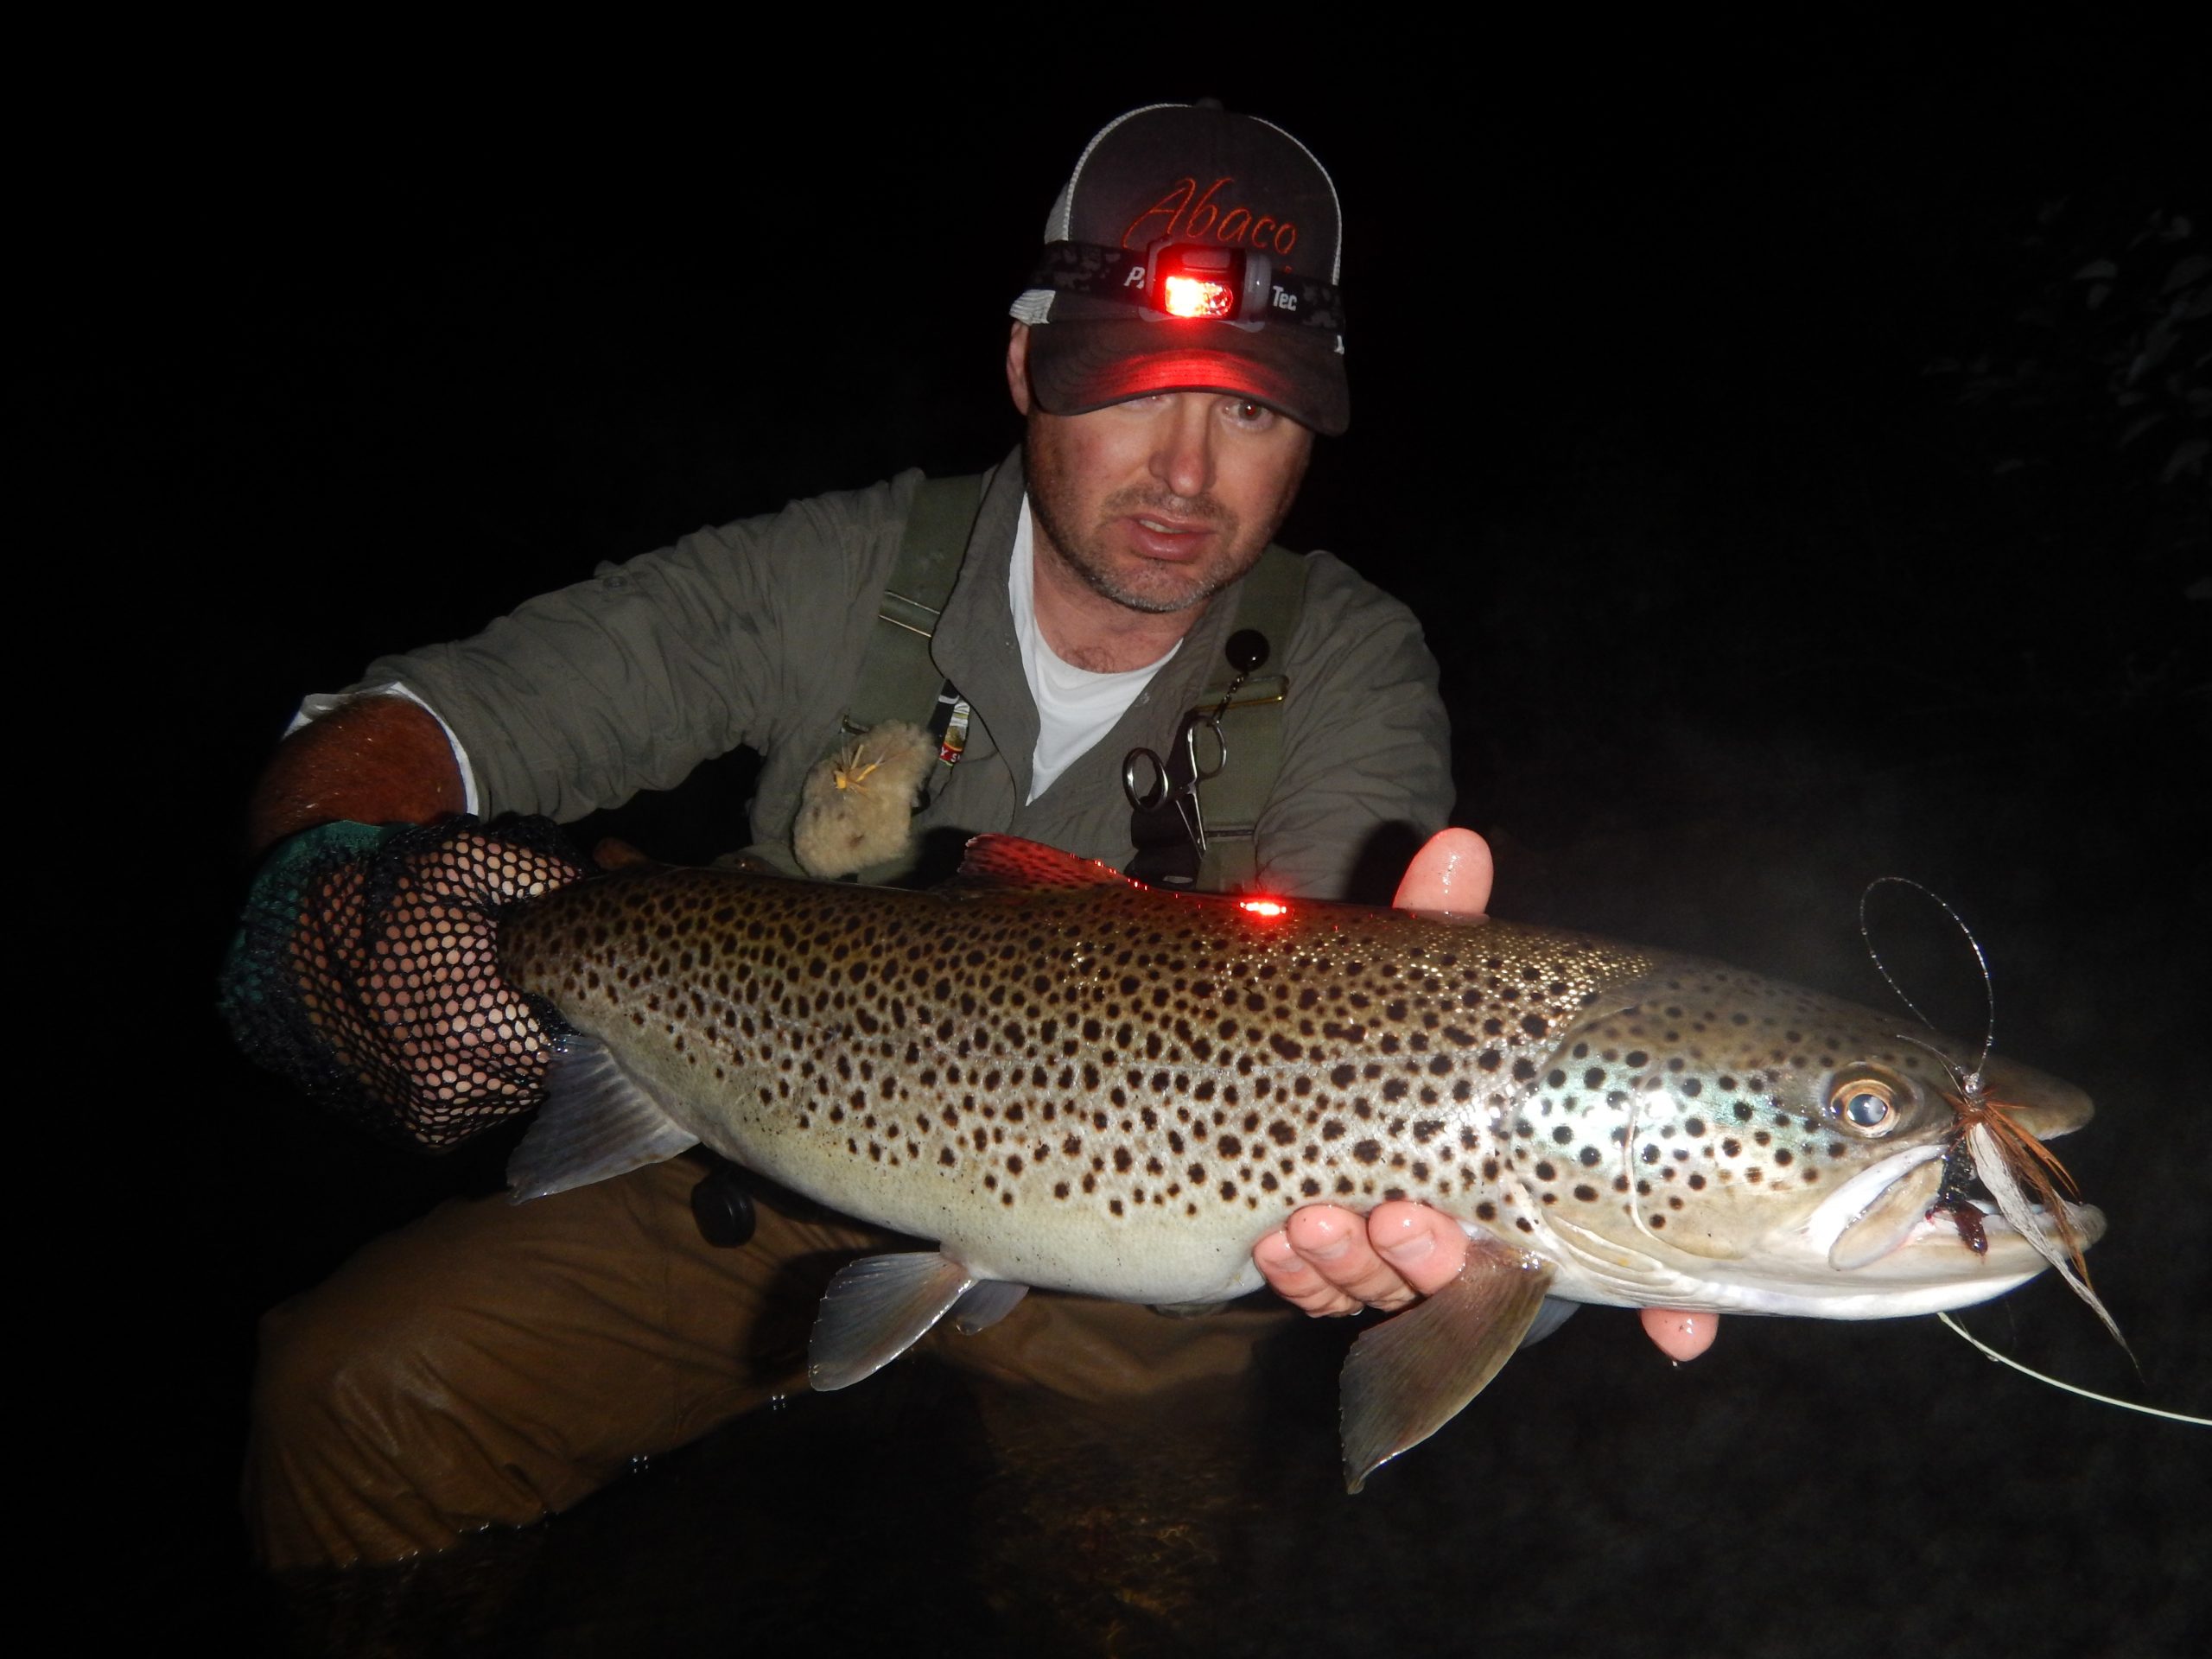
x: 1183, y: 457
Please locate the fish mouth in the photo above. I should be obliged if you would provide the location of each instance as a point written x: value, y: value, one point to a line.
x: 1885, y: 1222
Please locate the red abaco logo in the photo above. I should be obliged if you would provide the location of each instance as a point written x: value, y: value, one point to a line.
x: 1185, y: 213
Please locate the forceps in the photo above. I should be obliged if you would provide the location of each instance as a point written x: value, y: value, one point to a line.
x: 1162, y: 786
x: 1204, y: 749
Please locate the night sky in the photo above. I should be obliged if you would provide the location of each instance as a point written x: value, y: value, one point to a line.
x: 1657, y: 424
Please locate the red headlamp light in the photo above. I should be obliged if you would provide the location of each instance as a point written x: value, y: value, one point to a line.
x: 1200, y: 282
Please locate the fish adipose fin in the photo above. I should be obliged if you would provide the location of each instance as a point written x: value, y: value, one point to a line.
x: 596, y: 1124
x: 875, y: 1310
x: 1410, y: 1374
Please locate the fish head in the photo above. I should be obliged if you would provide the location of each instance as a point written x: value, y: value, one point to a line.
x: 1708, y: 1138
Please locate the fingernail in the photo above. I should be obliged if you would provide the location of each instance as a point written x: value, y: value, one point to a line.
x: 1410, y: 1250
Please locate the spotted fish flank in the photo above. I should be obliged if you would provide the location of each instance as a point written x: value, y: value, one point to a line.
x: 1069, y: 1082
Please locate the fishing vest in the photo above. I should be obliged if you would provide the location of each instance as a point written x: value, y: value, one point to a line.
x: 899, y: 681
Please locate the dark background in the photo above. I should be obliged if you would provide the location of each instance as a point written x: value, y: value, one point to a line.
x: 1774, y: 495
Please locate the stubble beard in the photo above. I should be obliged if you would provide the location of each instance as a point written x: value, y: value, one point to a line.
x: 1170, y: 588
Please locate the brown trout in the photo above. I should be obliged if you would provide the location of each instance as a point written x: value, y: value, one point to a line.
x: 1070, y: 1081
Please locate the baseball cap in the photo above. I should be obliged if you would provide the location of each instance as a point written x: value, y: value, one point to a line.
x: 1238, y: 212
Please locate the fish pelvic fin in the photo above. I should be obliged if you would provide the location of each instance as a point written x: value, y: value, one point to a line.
x: 985, y: 1305
x: 597, y: 1122
x: 875, y: 1310
x: 1411, y: 1374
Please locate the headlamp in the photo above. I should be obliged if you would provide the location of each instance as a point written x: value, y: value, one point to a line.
x: 1197, y: 282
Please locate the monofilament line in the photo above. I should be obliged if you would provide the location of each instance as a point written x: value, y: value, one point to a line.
x: 2101, y: 1399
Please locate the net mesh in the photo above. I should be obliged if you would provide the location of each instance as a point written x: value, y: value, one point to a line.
x: 367, y: 972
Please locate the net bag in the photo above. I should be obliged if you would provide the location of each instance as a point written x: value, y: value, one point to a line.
x: 366, y: 970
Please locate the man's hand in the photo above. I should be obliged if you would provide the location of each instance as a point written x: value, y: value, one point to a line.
x: 1328, y: 1261
x: 397, y: 968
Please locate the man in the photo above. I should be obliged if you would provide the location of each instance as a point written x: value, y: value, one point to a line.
x: 492, y: 1363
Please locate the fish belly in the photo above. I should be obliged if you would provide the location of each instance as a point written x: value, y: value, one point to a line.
x: 1010, y: 1190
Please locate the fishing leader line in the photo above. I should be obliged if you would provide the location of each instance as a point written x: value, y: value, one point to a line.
x: 2087, y: 1394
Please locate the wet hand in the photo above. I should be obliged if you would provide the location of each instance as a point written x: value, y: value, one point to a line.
x: 1328, y: 1261
x: 400, y: 977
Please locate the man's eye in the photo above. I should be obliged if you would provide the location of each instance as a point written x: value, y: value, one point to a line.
x: 1248, y: 413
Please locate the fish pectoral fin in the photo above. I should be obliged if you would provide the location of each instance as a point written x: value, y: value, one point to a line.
x: 597, y: 1122
x: 875, y: 1310
x: 1410, y: 1374
x: 984, y: 1304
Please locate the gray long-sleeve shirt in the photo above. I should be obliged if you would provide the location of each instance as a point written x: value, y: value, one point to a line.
x: 753, y: 635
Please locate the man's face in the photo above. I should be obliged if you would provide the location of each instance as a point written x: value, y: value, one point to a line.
x: 1161, y: 502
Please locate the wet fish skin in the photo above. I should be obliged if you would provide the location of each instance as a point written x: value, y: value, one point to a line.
x: 1072, y: 1082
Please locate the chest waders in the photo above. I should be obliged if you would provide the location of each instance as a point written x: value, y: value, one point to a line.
x: 899, y: 681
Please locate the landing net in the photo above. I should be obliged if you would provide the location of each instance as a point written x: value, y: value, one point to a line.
x: 365, y: 971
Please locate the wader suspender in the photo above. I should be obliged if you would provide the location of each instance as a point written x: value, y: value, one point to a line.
x: 897, y: 676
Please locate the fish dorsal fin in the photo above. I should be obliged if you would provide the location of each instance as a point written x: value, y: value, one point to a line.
x: 875, y: 1310
x: 999, y: 862
x: 1410, y: 1374
x: 597, y: 1122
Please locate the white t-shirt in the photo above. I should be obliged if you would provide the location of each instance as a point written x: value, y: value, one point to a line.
x: 1075, y: 706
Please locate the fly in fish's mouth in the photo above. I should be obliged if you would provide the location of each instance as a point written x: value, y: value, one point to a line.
x: 1889, y: 1210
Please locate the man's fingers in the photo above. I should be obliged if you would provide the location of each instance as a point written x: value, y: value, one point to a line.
x: 1451, y: 873
x: 1423, y: 1247
x: 1679, y: 1333
x: 1328, y: 1261
x: 1290, y: 1277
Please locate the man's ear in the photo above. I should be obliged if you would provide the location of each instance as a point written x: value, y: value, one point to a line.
x: 1017, y: 366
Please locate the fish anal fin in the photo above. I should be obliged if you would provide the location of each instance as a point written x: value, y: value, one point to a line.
x: 1003, y: 862
x: 1411, y: 1374
x: 597, y: 1122
x: 874, y: 1310
x: 985, y: 1303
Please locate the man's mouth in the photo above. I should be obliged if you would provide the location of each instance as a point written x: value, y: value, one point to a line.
x: 1159, y: 537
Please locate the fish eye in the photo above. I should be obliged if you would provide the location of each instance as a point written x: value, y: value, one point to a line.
x: 1871, y: 1104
